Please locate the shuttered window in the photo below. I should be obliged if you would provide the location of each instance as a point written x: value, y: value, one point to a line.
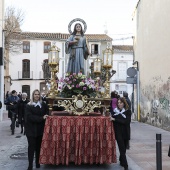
x: 26, y: 47
x: 94, y: 49
x: 47, y: 47
x: 26, y: 68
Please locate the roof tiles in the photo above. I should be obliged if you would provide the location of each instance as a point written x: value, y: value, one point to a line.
x: 123, y: 47
x: 62, y: 36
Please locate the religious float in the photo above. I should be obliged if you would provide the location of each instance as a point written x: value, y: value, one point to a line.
x: 82, y: 132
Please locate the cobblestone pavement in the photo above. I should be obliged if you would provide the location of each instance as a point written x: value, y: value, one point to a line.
x: 141, y: 156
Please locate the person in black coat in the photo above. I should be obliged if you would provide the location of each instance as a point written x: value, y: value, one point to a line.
x: 121, y: 117
x: 19, y: 95
x: 125, y: 95
x: 43, y: 97
x: 35, y: 114
x: 0, y: 104
x: 12, y: 101
x: 12, y: 106
x: 21, y: 110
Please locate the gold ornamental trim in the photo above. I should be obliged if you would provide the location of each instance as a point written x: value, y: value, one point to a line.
x: 79, y: 105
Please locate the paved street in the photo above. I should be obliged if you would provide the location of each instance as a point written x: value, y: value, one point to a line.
x: 142, y: 153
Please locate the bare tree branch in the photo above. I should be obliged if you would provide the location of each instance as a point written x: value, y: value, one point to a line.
x: 13, y: 20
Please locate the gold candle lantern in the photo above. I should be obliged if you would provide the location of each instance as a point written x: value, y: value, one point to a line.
x: 97, y: 66
x: 53, y: 62
x: 107, y: 64
x: 107, y: 58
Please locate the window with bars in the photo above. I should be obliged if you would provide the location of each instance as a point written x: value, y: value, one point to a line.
x: 26, y: 89
x: 26, y: 47
x: 94, y: 49
x: 25, y: 68
x: 46, y: 69
x: 47, y: 47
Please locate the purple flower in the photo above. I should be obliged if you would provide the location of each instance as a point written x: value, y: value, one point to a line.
x: 77, y: 86
x: 61, y: 80
x: 84, y: 88
x: 74, y: 79
x: 67, y: 79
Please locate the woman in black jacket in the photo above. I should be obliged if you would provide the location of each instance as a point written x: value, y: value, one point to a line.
x: 35, y: 114
x: 121, y: 117
x: 21, y: 110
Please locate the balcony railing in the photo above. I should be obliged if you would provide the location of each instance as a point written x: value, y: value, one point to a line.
x: 43, y: 75
x: 25, y: 74
x: 94, y: 52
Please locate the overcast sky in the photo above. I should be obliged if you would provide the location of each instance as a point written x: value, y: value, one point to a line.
x: 99, y: 15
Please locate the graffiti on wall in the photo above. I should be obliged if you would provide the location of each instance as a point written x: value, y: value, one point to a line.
x: 164, y: 104
x: 155, y: 103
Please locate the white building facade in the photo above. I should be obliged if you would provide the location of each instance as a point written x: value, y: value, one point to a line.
x: 122, y: 60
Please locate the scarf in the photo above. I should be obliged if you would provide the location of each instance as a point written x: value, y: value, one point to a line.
x: 117, y: 111
x: 36, y: 104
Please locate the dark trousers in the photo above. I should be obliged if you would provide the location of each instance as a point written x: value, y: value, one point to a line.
x: 122, y: 144
x: 34, y: 145
x: 13, y: 119
x: 22, y: 125
x: 128, y: 144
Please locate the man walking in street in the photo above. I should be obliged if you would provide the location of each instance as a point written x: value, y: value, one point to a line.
x: 11, y: 102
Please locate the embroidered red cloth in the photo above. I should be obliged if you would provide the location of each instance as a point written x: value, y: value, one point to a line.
x: 78, y: 139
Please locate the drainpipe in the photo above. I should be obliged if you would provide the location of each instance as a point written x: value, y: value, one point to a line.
x: 138, y: 93
x: 138, y: 82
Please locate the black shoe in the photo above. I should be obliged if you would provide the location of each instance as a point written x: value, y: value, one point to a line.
x: 121, y: 164
x: 37, y: 165
x: 126, y: 168
x: 12, y: 133
x: 29, y: 168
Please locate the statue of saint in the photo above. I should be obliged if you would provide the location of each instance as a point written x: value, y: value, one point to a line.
x: 77, y: 48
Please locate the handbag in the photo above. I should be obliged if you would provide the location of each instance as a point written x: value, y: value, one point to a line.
x: 17, y: 123
x: 169, y: 151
